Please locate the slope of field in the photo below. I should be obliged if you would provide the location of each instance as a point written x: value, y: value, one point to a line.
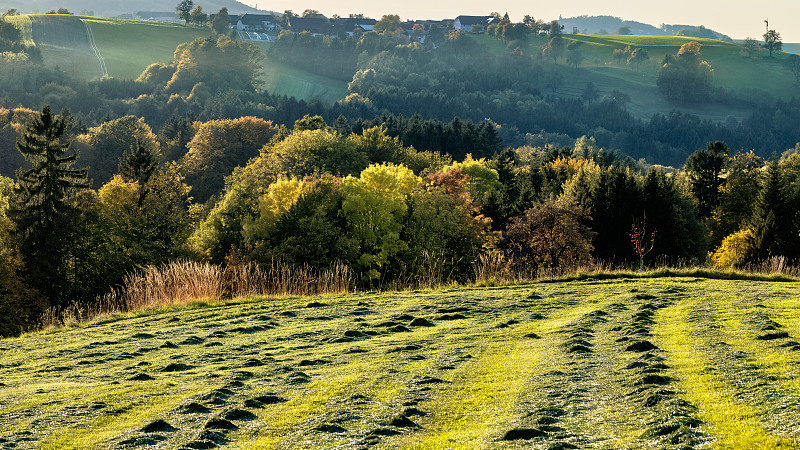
x: 628, y: 363
x: 127, y: 47
x: 63, y: 42
x: 111, y: 8
x: 282, y: 79
x: 758, y: 78
x: 792, y: 48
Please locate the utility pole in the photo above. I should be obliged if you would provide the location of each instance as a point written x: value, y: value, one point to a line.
x: 767, y: 22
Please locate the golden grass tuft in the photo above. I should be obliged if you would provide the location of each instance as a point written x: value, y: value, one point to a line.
x: 183, y: 282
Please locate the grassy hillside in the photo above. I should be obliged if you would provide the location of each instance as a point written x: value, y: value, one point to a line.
x: 629, y: 363
x: 758, y: 77
x: 112, y: 8
x: 293, y: 82
x: 128, y: 47
x: 792, y: 48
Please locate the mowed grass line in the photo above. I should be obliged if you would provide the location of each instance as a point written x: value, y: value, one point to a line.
x: 769, y: 358
x: 283, y: 423
x: 136, y: 411
x: 502, y: 385
x: 733, y: 423
x: 475, y: 411
x: 24, y: 23
x: 64, y: 44
x: 487, y: 396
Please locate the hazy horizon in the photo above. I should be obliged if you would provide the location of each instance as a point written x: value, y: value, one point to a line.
x: 738, y: 21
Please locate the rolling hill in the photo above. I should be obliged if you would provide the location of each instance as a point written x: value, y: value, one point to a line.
x: 127, y: 47
x: 111, y: 8
x: 792, y: 48
x: 610, y: 24
x: 752, y: 78
x: 625, y: 363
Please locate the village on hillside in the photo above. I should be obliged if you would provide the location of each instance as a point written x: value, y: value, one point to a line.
x: 265, y: 27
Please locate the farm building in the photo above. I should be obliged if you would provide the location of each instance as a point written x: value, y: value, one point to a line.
x: 256, y: 22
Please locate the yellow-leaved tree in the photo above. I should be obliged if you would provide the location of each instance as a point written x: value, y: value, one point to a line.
x: 277, y: 201
x: 374, y: 205
x: 218, y: 147
x: 735, y: 249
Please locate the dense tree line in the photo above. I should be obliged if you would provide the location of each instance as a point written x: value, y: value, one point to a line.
x: 403, y: 181
x: 320, y: 194
x: 441, y: 82
x: 217, y: 78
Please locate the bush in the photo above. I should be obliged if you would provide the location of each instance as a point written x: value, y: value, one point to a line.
x: 736, y: 249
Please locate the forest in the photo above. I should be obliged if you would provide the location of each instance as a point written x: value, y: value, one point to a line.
x: 435, y: 167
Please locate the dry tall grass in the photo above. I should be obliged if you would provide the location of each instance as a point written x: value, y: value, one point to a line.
x: 182, y: 282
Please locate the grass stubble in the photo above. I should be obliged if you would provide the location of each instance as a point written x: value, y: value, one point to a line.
x: 618, y: 363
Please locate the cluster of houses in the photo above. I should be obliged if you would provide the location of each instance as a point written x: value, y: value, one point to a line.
x: 321, y: 25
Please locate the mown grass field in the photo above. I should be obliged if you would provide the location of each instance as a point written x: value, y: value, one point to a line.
x: 626, y: 363
x: 127, y: 46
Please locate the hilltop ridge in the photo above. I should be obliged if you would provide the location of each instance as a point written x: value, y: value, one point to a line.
x: 113, y: 8
x: 610, y: 25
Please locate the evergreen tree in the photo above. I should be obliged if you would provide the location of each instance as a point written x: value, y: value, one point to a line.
x: 43, y: 201
x: 137, y: 166
x: 771, y: 221
x: 704, y: 168
x: 342, y: 126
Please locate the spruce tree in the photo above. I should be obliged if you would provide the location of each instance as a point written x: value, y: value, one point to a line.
x: 137, y: 166
x: 769, y: 220
x: 43, y: 200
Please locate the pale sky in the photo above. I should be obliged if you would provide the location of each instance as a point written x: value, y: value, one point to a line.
x: 736, y: 18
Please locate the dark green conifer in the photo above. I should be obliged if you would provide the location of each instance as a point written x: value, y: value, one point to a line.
x: 43, y: 199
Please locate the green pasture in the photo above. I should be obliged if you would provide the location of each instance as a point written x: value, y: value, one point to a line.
x: 629, y: 362
x: 757, y: 77
x: 282, y: 79
x: 128, y: 47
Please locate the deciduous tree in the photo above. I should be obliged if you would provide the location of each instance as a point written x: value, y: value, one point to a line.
x: 198, y: 16
x: 388, y: 23
x: 749, y: 46
x: 375, y: 205
x: 218, y: 147
x: 772, y: 41
x: 642, y: 240
x: 549, y: 237
x: 221, y: 22
x: 184, y: 10
x: 638, y: 57
x: 685, y: 78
